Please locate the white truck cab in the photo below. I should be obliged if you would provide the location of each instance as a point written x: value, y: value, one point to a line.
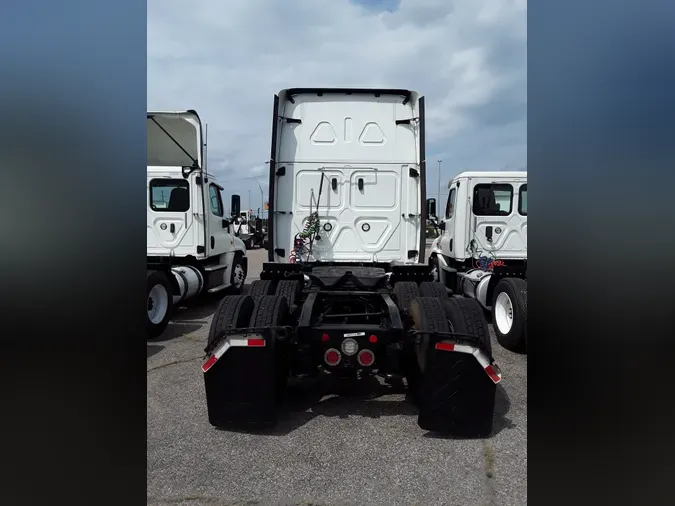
x: 481, y: 251
x: 190, y: 247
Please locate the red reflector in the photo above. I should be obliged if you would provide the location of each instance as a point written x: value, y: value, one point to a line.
x: 445, y: 346
x: 373, y: 339
x: 209, y: 363
x: 366, y: 358
x: 332, y: 357
x: 325, y: 337
x: 493, y: 374
x: 256, y: 342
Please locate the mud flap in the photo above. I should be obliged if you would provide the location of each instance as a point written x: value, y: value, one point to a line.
x: 457, y: 391
x: 240, y: 383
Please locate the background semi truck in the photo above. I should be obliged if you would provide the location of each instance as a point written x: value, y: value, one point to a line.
x: 190, y: 245
x: 345, y: 290
x: 250, y: 229
x: 481, y: 252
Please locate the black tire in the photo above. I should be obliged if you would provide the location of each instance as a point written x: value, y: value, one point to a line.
x: 433, y: 289
x: 155, y: 321
x: 238, y: 274
x: 260, y: 287
x: 456, y: 395
x: 427, y: 314
x: 234, y: 311
x: 245, y: 385
x: 514, y: 339
x: 290, y: 290
x: 272, y: 311
x: 466, y: 316
x: 404, y: 293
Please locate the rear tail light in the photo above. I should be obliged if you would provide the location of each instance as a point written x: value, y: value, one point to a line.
x: 373, y: 339
x: 366, y: 358
x: 332, y: 357
x: 325, y: 338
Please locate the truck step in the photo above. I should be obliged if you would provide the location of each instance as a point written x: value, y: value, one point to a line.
x: 213, y: 268
x: 217, y: 288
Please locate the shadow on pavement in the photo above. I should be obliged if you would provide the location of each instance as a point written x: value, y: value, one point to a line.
x: 333, y: 397
x: 153, y: 349
x: 200, y: 308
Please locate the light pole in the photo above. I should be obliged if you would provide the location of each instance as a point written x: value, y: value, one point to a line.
x: 262, y: 199
x: 439, y: 182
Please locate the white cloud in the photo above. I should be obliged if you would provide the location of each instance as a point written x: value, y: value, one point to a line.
x: 227, y: 59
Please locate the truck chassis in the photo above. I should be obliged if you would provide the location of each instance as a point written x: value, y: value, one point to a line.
x: 300, y: 320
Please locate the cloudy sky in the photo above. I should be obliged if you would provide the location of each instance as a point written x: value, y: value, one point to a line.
x: 227, y: 59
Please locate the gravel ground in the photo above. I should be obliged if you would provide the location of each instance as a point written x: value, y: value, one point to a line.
x: 363, y: 447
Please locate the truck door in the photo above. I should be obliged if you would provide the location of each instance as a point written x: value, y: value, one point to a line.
x: 170, y: 215
x: 219, y: 238
x: 496, y: 229
x: 448, y: 240
x: 522, y: 210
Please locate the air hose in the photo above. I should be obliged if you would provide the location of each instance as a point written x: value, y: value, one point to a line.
x: 310, y: 231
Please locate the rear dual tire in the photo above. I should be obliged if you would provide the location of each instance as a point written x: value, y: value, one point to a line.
x: 245, y: 386
x: 454, y: 394
x: 405, y: 292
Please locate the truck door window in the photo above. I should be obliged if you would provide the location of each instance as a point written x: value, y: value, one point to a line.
x: 522, y: 200
x: 169, y: 195
x: 492, y: 199
x: 216, y: 200
x: 450, y: 206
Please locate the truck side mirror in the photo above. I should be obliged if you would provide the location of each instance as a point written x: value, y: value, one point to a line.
x: 186, y: 170
x: 226, y: 224
x: 431, y: 208
x: 235, y: 205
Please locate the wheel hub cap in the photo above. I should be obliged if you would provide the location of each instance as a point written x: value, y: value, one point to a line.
x: 503, y: 313
x: 158, y: 304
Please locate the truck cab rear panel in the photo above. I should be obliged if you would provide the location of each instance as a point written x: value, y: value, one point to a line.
x: 356, y: 158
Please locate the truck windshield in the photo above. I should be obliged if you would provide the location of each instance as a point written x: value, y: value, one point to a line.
x: 169, y: 195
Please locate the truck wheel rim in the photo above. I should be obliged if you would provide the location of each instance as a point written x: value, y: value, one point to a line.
x: 158, y: 304
x: 238, y: 276
x: 503, y: 311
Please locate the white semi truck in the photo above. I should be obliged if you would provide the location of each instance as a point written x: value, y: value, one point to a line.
x: 481, y: 252
x: 346, y: 290
x: 249, y: 228
x: 190, y: 247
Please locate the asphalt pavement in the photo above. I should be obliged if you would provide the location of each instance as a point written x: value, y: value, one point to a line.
x: 360, y: 447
